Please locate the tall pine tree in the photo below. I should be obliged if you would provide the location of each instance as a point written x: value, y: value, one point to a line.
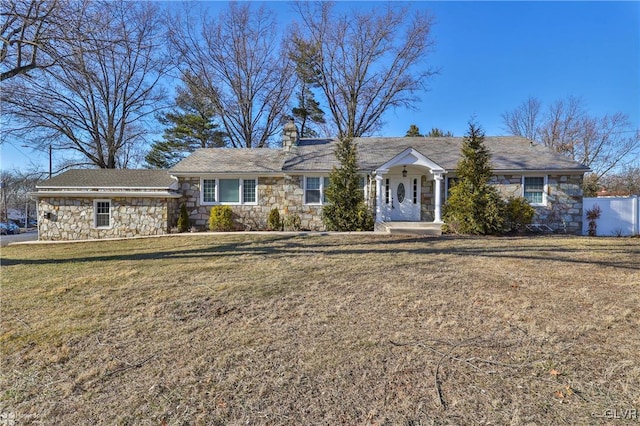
x: 346, y: 209
x: 308, y: 113
x: 474, y: 206
x: 191, y: 126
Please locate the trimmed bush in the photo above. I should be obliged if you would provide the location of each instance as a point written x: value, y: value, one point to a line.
x: 518, y: 214
x: 221, y: 219
x: 183, y: 219
x: 292, y: 222
x: 273, y: 221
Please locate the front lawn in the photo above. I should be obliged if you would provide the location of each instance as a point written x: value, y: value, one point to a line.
x: 333, y: 329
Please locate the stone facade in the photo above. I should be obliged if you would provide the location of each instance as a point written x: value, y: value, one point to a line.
x: 427, y: 205
x: 563, y: 211
x: 282, y: 192
x: 71, y: 218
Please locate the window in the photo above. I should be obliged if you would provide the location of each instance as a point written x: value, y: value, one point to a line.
x: 387, y: 191
x: 415, y: 191
x: 325, y: 183
x: 229, y: 191
x: 315, y: 189
x: 208, y: 191
x: 363, y: 187
x: 312, y: 190
x: 533, y: 188
x: 249, y: 190
x: 102, y: 213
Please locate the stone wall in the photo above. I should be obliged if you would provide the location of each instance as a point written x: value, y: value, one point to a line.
x: 282, y: 192
x: 563, y: 212
x: 427, y: 199
x: 73, y: 218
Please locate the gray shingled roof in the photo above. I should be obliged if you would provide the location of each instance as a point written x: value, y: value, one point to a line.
x: 110, y: 178
x: 508, y: 153
x: 231, y: 160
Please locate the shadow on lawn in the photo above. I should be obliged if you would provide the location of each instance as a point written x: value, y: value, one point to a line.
x: 306, y: 245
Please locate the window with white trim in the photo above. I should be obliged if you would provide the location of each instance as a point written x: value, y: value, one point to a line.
x: 208, y: 191
x: 315, y: 189
x: 229, y: 191
x: 534, y: 189
x: 363, y: 187
x: 102, y: 213
x: 249, y: 191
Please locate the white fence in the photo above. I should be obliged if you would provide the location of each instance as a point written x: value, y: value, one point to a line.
x: 620, y: 216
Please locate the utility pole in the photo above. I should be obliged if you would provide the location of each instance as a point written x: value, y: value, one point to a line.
x: 3, y: 186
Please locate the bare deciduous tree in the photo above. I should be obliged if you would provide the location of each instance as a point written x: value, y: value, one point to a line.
x: 602, y: 143
x: 239, y: 64
x: 95, y: 99
x: 28, y: 29
x: 366, y: 62
x: 524, y: 119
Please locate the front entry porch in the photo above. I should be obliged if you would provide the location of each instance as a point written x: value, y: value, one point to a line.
x: 409, y: 194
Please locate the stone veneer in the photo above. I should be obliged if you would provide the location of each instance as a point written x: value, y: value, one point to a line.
x: 282, y: 192
x: 563, y: 212
x: 71, y: 218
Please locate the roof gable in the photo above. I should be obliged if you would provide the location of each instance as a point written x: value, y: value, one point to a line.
x: 411, y: 157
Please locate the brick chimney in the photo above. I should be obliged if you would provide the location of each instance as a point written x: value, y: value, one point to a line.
x: 289, y: 135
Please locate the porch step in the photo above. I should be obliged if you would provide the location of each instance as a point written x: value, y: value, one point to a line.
x: 410, y: 228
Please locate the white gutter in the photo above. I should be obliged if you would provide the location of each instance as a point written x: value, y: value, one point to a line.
x: 103, y: 194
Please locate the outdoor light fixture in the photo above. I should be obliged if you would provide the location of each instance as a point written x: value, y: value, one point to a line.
x: 404, y: 171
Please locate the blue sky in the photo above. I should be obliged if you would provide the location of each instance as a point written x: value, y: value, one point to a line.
x: 494, y: 55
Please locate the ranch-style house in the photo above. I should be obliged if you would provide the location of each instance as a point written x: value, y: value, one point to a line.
x: 405, y: 180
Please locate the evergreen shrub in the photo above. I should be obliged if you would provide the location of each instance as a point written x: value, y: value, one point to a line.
x: 221, y: 219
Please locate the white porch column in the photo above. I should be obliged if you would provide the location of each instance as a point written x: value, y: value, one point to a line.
x: 438, y: 198
x: 378, y: 198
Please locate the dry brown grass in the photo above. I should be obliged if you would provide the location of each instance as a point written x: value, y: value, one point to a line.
x: 357, y: 329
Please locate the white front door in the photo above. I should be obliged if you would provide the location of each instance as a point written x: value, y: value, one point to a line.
x: 404, y: 202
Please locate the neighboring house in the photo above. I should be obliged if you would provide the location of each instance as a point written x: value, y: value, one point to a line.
x: 403, y: 180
